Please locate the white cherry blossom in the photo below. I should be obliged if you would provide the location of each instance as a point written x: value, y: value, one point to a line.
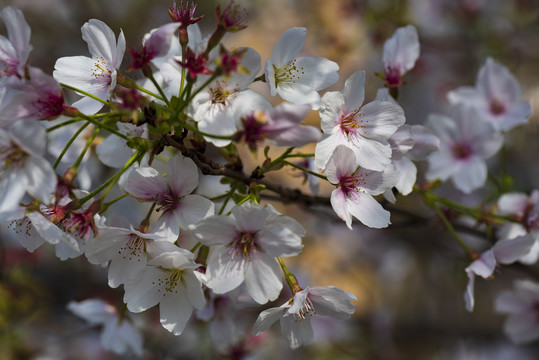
x: 251, y: 237
x: 401, y: 51
x: 355, y: 189
x: 96, y: 74
x: 170, y: 280
x: 521, y: 325
x: 465, y: 145
x: 363, y: 129
x: 496, y: 97
x: 172, y: 194
x: 22, y: 165
x: 503, y: 252
x: 118, y: 334
x: 15, y: 49
x: 295, y: 315
x: 298, y: 79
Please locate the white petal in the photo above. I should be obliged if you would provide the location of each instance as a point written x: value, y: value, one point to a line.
x: 332, y: 301
x: 215, y: 230
x: 339, y: 205
x: 279, y: 239
x: 317, y: 72
x: 193, y: 286
x: 402, y: 49
x: 297, y: 332
x: 509, y: 251
x: 142, y: 290
x: 263, y: 277
x: 354, y: 91
x: 332, y: 108
x: 266, y: 318
x: 182, y: 175
x: 471, y: 175
x: 367, y: 210
x: 175, y: 311
x: 288, y: 46
x: 100, y: 38
x: 41, y: 178
x: 225, y: 271
x: 145, y: 183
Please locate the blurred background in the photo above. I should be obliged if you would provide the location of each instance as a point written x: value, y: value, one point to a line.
x: 409, y: 279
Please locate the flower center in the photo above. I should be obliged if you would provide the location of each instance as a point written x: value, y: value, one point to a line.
x: 169, y: 282
x: 462, y: 151
x: 12, y: 156
x: 101, y: 71
x: 220, y: 94
x: 8, y: 67
x: 354, y: 183
x: 167, y: 201
x: 352, y: 122
x: 288, y: 73
x: 497, y: 107
x: 307, y: 309
x: 133, y: 248
x: 244, y: 245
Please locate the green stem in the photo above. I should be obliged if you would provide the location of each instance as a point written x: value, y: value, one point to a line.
x: 108, y: 128
x: 300, y: 155
x: 290, y: 278
x: 69, y: 143
x: 163, y: 97
x: 65, y: 123
x: 305, y: 170
x: 450, y: 227
x: 182, y: 83
x: 85, y: 93
x: 106, y: 205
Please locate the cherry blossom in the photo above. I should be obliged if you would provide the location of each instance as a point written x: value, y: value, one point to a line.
x: 355, y: 189
x: 172, y: 194
x: 465, y: 144
x: 295, y: 315
x: 298, y: 79
x: 219, y: 107
x: 401, y: 51
x: 96, y: 74
x: 15, y: 49
x: 24, y: 169
x: 496, y: 97
x: 363, y: 129
x: 118, y: 335
x: 252, y: 236
x: 526, y: 210
x: 503, y: 252
x: 170, y: 280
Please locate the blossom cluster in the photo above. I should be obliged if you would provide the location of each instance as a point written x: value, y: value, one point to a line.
x: 187, y: 121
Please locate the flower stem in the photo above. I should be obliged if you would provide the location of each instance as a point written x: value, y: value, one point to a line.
x: 65, y: 123
x: 69, y: 143
x: 290, y: 278
x: 163, y: 97
x: 305, y: 170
